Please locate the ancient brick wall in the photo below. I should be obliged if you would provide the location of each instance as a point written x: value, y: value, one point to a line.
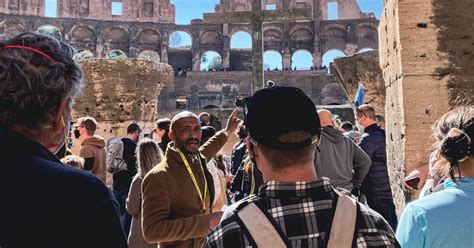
x: 427, y: 61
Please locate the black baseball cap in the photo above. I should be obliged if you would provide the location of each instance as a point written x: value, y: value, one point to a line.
x: 275, y: 111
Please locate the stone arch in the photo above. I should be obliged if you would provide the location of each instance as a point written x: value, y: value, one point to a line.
x: 211, y: 40
x: 367, y: 35
x: 11, y: 28
x: 149, y: 55
x: 329, y: 56
x: 333, y: 37
x: 180, y: 39
x: 273, y: 39
x: 365, y: 49
x: 83, y: 55
x: 52, y: 30
x: 149, y: 39
x: 302, y: 59
x: 333, y: 94
x: 272, y: 60
x: 301, y: 39
x: 115, y: 38
x: 82, y: 38
x: 211, y: 61
x: 116, y: 54
x: 241, y: 40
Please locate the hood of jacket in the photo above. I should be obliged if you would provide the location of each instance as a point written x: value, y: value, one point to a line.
x: 332, y: 134
x: 96, y: 141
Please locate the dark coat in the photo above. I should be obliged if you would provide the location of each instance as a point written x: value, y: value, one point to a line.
x: 48, y: 204
x: 377, y: 181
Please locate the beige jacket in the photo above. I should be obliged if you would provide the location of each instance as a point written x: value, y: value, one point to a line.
x: 94, y: 147
x: 134, y: 208
x: 172, y: 213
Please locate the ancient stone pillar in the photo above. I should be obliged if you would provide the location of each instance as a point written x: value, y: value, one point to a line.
x: 426, y: 54
x: 196, y: 50
x: 164, y: 49
x: 286, y: 60
x: 226, y: 46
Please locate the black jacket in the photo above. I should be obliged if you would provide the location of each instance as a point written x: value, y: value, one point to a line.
x: 377, y: 180
x: 123, y: 179
x: 48, y: 204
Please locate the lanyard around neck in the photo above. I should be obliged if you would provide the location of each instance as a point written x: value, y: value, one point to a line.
x: 196, y: 185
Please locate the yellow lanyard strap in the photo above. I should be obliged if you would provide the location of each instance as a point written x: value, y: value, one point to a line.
x: 196, y: 185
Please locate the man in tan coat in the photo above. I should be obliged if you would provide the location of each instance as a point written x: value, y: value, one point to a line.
x: 92, y: 147
x: 178, y: 192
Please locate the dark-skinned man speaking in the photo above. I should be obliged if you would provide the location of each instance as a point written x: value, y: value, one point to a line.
x: 177, y: 193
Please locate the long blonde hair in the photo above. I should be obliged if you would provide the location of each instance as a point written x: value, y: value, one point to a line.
x: 148, y: 155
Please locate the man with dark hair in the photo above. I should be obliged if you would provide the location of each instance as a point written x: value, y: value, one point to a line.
x: 179, y: 191
x: 338, y: 157
x: 294, y: 208
x: 92, y: 147
x: 348, y: 130
x: 376, y: 186
x: 162, y: 130
x: 123, y: 179
x: 205, y: 119
x: 44, y: 202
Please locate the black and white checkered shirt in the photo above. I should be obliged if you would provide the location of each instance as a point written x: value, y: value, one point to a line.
x: 304, y: 212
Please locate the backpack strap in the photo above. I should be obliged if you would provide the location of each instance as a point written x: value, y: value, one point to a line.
x: 259, y: 226
x: 343, y: 223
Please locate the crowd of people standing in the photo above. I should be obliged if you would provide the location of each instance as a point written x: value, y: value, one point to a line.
x: 299, y: 181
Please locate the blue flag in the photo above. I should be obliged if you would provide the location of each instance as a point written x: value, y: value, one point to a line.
x: 359, y: 97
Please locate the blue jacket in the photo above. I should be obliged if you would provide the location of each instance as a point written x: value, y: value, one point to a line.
x: 48, y: 204
x: 376, y: 182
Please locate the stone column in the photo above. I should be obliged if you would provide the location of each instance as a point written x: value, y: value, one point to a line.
x: 196, y: 50
x: 286, y: 60
x: 427, y: 71
x: 226, y: 46
x: 164, y: 48
x: 317, y: 60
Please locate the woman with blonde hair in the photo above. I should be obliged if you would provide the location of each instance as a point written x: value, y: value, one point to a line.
x: 445, y: 218
x: 148, y: 155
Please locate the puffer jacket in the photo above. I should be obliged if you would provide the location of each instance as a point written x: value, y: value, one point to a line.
x: 377, y: 180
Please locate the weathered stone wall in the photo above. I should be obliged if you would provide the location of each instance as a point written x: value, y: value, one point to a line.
x: 121, y: 91
x: 220, y: 89
x: 362, y: 69
x: 427, y: 61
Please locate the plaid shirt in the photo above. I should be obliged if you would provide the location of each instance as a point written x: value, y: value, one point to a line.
x: 304, y: 212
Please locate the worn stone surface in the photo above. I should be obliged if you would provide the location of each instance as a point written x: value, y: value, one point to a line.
x: 119, y: 90
x: 362, y: 69
x: 427, y: 62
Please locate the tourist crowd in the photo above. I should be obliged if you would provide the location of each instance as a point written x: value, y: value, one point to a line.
x: 294, y: 178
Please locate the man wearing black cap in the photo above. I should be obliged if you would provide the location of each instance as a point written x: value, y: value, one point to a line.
x: 294, y: 208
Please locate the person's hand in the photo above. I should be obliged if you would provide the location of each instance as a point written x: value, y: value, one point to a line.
x: 233, y: 122
x: 421, y: 173
x: 228, y: 178
x: 214, y: 219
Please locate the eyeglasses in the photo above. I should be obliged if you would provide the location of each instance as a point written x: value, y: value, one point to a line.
x: 77, y: 127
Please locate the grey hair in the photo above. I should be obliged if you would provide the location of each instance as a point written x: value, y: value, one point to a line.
x: 31, y: 86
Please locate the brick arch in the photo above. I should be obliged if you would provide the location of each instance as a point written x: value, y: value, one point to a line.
x: 211, y: 37
x: 333, y: 37
x: 188, y: 32
x: 82, y: 37
x: 273, y: 39
x: 367, y: 36
x: 115, y: 38
x: 11, y: 28
x: 301, y: 39
x: 240, y: 29
x: 149, y: 39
